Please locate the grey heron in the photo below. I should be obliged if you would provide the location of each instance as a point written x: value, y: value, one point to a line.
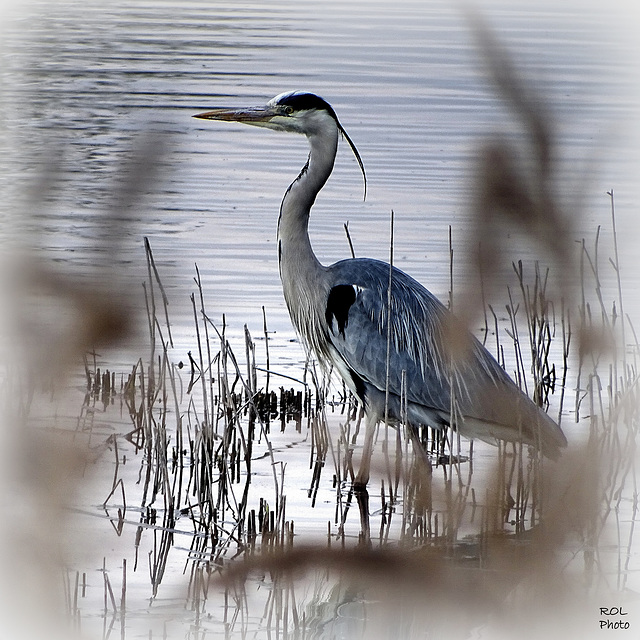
x: 396, y: 346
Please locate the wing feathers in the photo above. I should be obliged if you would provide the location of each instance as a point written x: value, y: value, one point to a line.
x: 446, y: 368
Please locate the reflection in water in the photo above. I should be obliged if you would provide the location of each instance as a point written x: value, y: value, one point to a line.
x: 182, y: 473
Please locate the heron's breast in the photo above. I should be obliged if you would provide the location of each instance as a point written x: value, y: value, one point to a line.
x: 306, y: 301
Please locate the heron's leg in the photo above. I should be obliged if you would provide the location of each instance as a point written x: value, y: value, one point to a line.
x: 365, y: 462
x: 362, y: 497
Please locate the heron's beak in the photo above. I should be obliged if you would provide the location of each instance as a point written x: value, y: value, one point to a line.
x: 257, y: 115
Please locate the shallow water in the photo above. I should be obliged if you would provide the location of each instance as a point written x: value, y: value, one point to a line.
x: 86, y: 86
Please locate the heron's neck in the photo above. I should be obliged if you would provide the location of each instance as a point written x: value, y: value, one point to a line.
x: 295, y: 253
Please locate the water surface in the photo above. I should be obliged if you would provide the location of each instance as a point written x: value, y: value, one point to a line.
x: 407, y: 82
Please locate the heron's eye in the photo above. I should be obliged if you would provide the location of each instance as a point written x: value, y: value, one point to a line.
x: 288, y: 110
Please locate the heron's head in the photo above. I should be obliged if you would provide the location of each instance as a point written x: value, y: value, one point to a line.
x: 295, y: 112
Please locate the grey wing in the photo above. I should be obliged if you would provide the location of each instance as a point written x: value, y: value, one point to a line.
x: 357, y: 317
x: 446, y: 371
x: 358, y: 323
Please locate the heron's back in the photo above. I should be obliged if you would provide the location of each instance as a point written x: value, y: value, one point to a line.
x: 446, y: 375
